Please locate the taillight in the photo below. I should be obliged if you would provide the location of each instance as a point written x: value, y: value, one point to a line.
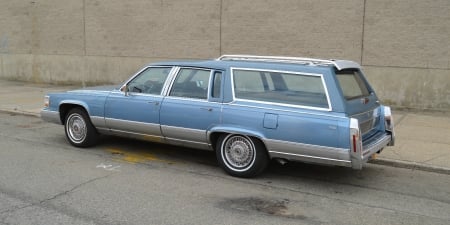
x: 388, y: 119
x: 389, y: 124
x: 355, y: 142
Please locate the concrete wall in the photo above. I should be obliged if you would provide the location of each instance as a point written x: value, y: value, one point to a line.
x: 403, y: 45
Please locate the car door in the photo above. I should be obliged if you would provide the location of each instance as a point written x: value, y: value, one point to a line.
x: 135, y: 109
x: 191, y: 107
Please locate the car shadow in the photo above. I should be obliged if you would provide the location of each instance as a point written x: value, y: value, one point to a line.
x: 122, y: 147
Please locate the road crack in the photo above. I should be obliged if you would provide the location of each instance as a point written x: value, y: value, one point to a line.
x: 44, y: 201
x: 73, y: 189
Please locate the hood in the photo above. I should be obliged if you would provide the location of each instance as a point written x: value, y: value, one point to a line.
x: 107, y: 88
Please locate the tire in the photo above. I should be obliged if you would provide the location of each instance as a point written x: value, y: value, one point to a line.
x: 241, y: 156
x: 78, y: 128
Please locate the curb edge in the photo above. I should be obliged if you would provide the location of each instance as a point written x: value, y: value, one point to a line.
x: 18, y: 112
x: 411, y: 165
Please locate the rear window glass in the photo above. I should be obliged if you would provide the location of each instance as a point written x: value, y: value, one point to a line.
x: 280, y: 87
x: 352, y: 84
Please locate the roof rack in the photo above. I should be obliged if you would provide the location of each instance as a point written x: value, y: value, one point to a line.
x: 339, y: 64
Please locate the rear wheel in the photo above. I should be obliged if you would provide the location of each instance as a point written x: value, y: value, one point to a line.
x: 240, y: 155
x: 78, y: 128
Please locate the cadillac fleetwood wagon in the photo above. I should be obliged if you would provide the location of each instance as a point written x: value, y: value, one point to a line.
x: 248, y: 109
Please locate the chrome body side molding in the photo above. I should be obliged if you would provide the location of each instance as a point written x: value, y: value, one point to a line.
x: 307, y: 152
x: 133, y: 126
x: 310, y: 159
x: 132, y: 135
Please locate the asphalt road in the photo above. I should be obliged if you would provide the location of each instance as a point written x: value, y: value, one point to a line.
x: 44, y: 180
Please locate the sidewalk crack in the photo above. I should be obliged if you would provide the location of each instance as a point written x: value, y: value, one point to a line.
x: 399, y: 120
x: 434, y: 158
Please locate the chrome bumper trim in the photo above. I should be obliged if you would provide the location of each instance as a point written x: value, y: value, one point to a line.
x: 376, y: 146
x: 50, y: 116
x: 309, y: 159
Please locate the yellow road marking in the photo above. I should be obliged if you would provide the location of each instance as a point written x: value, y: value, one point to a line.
x: 132, y: 157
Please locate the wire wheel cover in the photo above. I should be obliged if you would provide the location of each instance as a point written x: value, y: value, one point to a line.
x: 239, y: 152
x: 76, y: 128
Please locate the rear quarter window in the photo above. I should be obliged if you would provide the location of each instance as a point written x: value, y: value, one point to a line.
x: 304, y: 90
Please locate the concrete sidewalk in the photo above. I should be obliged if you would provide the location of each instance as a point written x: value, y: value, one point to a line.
x: 422, y: 139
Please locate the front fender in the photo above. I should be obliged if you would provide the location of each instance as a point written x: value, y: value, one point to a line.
x: 75, y: 102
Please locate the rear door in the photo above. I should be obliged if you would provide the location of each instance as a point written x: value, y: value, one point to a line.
x: 191, y: 107
x: 360, y: 99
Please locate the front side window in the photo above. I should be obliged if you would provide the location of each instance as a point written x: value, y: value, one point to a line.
x: 352, y: 84
x: 191, y: 83
x: 280, y: 87
x: 149, y: 81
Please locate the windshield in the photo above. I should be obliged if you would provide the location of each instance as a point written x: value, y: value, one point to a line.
x: 352, y: 84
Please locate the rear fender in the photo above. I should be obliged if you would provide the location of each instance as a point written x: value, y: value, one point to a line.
x: 212, y: 133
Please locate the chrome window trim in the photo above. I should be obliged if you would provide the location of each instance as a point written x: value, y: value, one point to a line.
x: 141, y: 94
x: 283, y: 110
x: 328, y: 109
x: 169, y: 81
x: 187, y: 99
x: 283, y: 104
x: 172, y: 68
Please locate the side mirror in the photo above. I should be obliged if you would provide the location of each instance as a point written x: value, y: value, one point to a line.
x: 124, y: 89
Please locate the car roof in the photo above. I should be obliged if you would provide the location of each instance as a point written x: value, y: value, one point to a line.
x: 265, y: 63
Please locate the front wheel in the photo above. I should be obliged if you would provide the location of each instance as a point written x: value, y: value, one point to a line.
x: 240, y: 155
x: 78, y: 128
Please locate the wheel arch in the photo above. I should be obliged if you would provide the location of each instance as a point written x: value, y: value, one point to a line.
x: 215, y: 133
x: 66, y: 106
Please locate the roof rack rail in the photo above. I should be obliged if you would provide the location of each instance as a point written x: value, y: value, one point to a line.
x: 339, y: 64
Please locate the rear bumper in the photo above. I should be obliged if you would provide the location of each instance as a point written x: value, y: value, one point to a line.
x: 372, y: 146
x: 376, y: 146
x: 50, y: 116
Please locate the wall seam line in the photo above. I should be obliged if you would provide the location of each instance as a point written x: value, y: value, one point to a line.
x: 363, y: 30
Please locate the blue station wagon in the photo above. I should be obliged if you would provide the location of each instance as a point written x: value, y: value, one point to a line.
x: 248, y: 109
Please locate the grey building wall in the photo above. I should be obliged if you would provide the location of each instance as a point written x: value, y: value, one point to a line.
x: 403, y: 45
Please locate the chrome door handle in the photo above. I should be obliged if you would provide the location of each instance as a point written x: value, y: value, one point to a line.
x: 207, y: 109
x: 153, y: 102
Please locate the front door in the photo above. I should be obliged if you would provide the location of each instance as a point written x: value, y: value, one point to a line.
x: 135, y: 111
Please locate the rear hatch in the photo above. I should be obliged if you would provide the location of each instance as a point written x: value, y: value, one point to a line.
x: 360, y: 100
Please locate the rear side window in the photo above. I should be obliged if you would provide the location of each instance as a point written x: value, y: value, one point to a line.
x: 191, y: 83
x: 280, y: 87
x: 352, y: 84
